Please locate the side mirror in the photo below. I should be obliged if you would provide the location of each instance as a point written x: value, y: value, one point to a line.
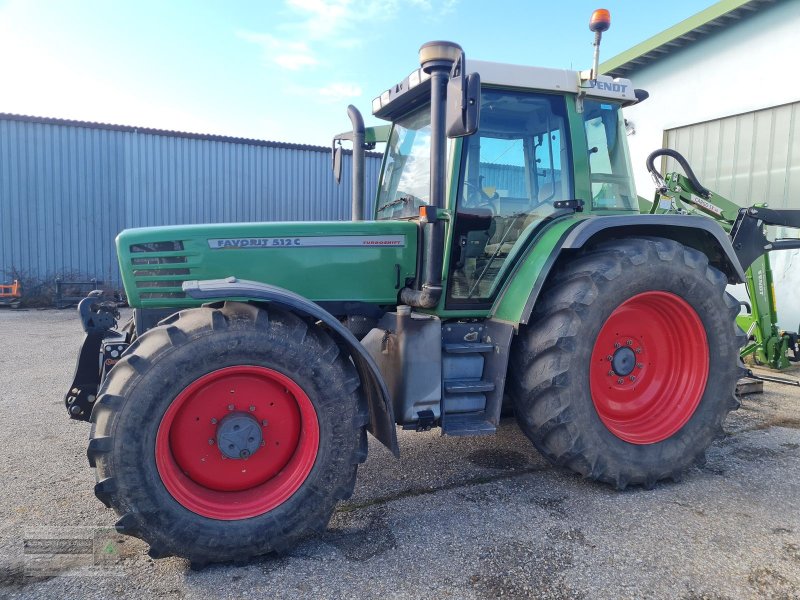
x: 336, y: 161
x: 463, y: 101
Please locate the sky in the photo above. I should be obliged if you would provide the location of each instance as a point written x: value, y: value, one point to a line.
x: 282, y: 70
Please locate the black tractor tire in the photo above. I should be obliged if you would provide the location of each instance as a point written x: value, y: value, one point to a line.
x: 551, y: 371
x: 163, y: 365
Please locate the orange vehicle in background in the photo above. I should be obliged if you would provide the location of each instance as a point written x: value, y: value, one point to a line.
x: 11, y: 295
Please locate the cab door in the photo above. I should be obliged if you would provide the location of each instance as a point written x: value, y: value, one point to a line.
x: 514, y: 168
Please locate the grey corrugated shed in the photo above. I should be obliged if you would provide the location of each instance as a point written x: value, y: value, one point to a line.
x: 750, y: 158
x: 67, y: 188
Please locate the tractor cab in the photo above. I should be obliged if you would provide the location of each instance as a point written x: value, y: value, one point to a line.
x: 548, y: 144
x: 522, y: 147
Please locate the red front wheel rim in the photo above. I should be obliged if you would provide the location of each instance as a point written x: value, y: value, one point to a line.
x: 649, y: 367
x: 285, y: 441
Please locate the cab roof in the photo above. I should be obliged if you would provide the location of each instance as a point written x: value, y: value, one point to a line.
x: 414, y: 90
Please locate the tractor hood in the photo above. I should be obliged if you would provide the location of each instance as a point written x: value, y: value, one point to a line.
x: 365, y: 261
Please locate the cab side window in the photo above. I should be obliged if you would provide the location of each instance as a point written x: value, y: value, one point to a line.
x: 609, y: 164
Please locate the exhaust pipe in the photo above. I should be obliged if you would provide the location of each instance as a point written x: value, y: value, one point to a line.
x: 357, y: 212
x: 436, y: 58
x: 357, y: 135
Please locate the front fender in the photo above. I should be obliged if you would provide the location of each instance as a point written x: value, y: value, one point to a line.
x: 373, y: 388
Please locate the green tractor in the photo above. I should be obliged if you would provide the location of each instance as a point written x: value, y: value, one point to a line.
x: 505, y: 258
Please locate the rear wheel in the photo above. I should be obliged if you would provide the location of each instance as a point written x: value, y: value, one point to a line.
x: 227, y: 432
x: 629, y: 365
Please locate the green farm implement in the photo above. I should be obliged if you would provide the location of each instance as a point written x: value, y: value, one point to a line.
x: 682, y: 193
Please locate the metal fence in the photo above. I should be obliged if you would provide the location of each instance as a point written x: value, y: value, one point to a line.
x: 67, y: 188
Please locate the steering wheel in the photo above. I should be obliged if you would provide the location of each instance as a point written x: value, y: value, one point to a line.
x: 476, y: 197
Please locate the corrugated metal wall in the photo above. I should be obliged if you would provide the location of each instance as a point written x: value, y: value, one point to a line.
x: 750, y: 158
x: 509, y: 178
x: 67, y: 190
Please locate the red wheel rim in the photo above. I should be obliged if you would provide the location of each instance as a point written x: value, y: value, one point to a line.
x: 192, y: 466
x: 667, y: 378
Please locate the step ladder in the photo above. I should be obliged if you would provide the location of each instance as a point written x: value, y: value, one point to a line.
x: 463, y: 387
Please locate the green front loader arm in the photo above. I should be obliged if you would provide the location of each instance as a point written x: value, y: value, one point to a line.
x: 767, y: 344
x: 681, y: 196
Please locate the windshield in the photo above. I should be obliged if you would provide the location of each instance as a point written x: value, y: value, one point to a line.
x: 405, y: 182
x: 609, y: 164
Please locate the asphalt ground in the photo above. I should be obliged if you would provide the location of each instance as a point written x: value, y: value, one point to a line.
x: 453, y: 518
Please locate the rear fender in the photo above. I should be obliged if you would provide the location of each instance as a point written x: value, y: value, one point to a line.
x: 694, y: 231
x: 373, y: 388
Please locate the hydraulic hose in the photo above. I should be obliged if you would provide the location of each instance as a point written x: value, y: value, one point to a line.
x: 657, y: 177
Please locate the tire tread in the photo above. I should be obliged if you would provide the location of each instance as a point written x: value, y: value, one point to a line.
x: 542, y: 371
x: 169, y: 528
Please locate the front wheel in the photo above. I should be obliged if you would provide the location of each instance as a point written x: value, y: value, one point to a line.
x: 227, y: 432
x: 629, y: 365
